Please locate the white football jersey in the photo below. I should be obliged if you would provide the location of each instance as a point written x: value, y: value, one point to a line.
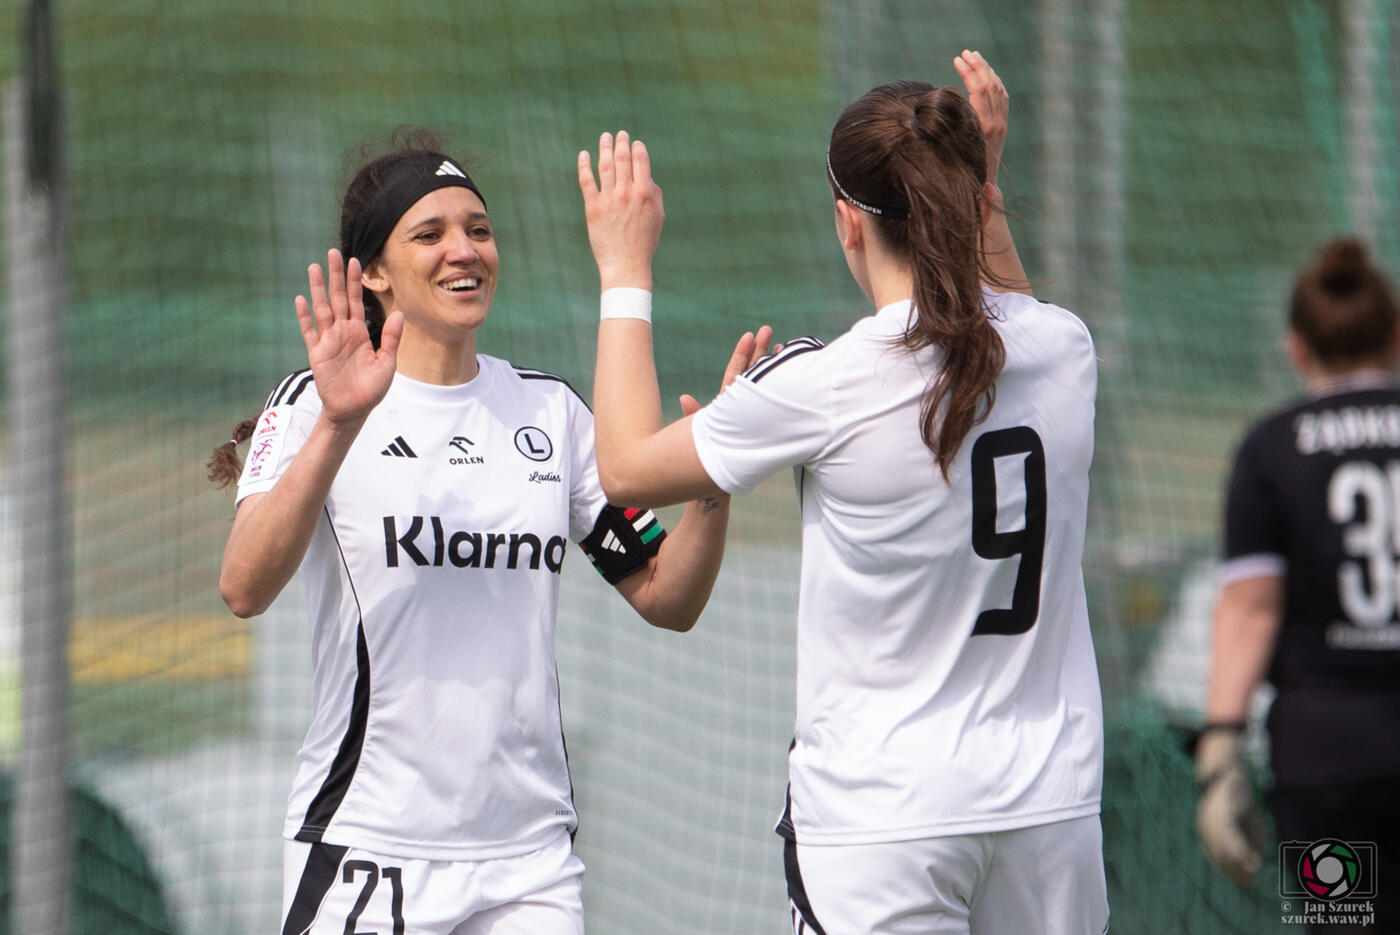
x: 432, y: 581
x: 946, y: 681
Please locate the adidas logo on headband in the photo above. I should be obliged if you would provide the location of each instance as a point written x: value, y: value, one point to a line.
x: 404, y: 182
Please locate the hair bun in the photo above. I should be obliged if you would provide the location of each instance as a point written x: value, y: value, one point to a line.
x: 924, y: 120
x: 1342, y: 265
x: 935, y: 111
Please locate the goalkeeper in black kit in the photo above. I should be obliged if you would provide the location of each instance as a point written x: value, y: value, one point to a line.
x: 1308, y: 600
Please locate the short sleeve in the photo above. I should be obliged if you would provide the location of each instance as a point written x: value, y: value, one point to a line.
x: 280, y: 433
x: 1255, y: 528
x: 754, y: 429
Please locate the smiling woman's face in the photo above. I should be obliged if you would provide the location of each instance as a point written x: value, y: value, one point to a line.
x: 439, y: 264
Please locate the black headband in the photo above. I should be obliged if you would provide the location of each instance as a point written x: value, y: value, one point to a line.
x: 410, y: 179
x: 894, y: 214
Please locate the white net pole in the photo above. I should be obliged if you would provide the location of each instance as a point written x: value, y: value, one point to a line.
x: 40, y: 845
x: 1058, y: 145
x: 1361, y: 61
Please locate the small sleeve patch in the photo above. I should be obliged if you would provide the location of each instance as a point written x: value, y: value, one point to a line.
x: 265, y: 446
x: 622, y: 542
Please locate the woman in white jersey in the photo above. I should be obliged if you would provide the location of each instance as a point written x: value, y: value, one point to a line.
x: 947, y: 759
x: 427, y: 492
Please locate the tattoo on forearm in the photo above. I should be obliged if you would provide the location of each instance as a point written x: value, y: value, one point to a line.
x: 709, y: 503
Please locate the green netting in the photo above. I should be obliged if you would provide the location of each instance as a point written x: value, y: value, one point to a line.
x: 115, y: 891
x: 1170, y: 163
x: 1158, y: 878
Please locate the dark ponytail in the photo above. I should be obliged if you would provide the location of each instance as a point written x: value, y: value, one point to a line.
x: 915, y: 154
x: 224, y: 466
x: 1342, y: 306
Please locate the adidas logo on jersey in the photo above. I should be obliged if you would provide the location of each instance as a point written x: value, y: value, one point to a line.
x: 462, y: 549
x: 447, y: 168
x: 398, y: 448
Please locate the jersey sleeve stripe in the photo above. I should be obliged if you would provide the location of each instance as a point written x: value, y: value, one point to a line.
x: 289, y: 389
x: 305, y: 382
x: 275, y: 398
x: 1259, y: 565
x: 791, y: 349
x: 527, y: 374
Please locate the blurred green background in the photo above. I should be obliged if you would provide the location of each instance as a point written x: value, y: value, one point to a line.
x: 1170, y: 164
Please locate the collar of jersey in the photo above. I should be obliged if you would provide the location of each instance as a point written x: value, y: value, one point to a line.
x: 433, y: 393
x: 899, y: 312
x: 1351, y: 382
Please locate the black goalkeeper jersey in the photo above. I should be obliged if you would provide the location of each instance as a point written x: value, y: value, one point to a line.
x: 1316, y: 488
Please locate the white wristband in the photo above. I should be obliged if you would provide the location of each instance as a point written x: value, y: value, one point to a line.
x: 625, y: 302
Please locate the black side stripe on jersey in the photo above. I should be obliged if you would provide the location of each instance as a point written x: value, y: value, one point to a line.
x: 337, y: 783
x: 785, y: 827
x: 347, y: 758
x: 563, y: 742
x: 292, y: 385
x: 316, y: 881
x: 527, y: 374
x: 765, y: 365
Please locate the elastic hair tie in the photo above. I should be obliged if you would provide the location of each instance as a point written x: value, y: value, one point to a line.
x: 894, y: 214
x: 919, y: 130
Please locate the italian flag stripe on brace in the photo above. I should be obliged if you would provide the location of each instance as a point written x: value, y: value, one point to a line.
x: 644, y: 521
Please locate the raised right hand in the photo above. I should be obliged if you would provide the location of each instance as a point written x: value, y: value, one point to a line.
x: 990, y: 102
x: 351, y: 377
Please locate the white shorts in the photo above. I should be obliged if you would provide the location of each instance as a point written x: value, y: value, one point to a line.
x: 1042, y: 880
x: 330, y: 890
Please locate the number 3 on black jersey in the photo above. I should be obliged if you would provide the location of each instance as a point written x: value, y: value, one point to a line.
x: 1365, y: 500
x: 1028, y: 541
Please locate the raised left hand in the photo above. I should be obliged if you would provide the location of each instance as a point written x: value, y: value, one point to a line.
x: 351, y: 375
x: 624, y: 210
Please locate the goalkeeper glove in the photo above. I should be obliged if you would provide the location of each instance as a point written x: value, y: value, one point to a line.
x: 1232, y: 830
